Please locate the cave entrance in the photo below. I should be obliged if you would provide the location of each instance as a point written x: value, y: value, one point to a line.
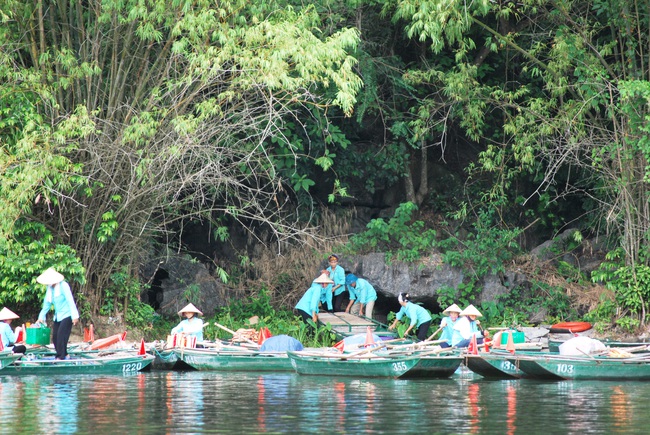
x: 154, y: 295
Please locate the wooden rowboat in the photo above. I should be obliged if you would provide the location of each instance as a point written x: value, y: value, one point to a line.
x: 347, y: 365
x: 558, y: 367
x: 234, y: 360
x: 78, y: 364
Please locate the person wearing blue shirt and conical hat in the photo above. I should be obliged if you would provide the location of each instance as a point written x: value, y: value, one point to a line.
x: 59, y: 296
x: 307, y: 306
x: 467, y: 326
x: 8, y: 336
x: 420, y: 317
x: 191, y: 325
x: 362, y: 296
x: 447, y: 324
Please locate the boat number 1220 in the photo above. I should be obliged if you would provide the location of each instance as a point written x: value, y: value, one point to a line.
x: 399, y: 366
x: 133, y: 367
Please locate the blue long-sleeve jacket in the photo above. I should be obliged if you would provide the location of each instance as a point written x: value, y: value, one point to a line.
x: 60, y: 297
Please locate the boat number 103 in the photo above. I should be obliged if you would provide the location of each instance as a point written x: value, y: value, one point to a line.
x: 132, y: 367
x: 565, y: 368
x: 399, y: 366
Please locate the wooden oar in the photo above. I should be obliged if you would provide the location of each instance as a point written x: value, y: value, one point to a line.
x: 434, y: 334
x: 234, y: 333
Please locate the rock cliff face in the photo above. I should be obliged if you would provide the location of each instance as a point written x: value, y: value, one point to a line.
x: 177, y: 280
x: 422, y: 280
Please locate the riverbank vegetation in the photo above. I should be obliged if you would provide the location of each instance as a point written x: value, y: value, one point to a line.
x: 477, y: 130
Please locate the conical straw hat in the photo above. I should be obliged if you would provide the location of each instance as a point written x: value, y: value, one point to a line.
x: 49, y: 277
x: 190, y: 308
x: 471, y: 311
x: 324, y: 279
x: 7, y: 314
x: 452, y: 308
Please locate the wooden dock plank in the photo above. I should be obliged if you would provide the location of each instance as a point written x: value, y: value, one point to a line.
x: 345, y: 324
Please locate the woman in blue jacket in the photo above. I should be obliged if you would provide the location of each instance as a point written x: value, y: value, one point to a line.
x: 59, y: 296
x: 420, y: 317
x: 307, y: 306
x: 362, y: 296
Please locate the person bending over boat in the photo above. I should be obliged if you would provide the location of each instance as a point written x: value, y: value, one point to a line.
x: 337, y: 275
x: 6, y: 334
x: 467, y: 326
x: 420, y: 317
x: 307, y: 306
x: 191, y: 325
x: 447, y: 324
x: 362, y: 296
x: 59, y: 296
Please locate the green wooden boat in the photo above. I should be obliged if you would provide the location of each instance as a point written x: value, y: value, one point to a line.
x: 234, y: 360
x: 7, y: 357
x: 345, y: 365
x: 430, y: 367
x: 558, y: 367
x: 493, y: 366
x: 78, y: 364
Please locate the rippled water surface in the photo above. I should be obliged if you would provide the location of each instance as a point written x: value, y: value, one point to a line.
x: 211, y: 402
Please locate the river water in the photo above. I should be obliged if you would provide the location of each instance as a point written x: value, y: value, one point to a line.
x: 171, y: 402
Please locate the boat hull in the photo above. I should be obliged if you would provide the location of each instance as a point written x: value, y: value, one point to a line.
x: 493, y: 366
x: 431, y: 367
x: 79, y: 364
x: 6, y: 358
x: 358, y: 367
x: 209, y: 359
x: 584, y: 368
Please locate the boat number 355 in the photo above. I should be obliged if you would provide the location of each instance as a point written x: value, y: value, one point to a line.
x: 565, y: 368
x: 132, y: 367
x: 399, y: 366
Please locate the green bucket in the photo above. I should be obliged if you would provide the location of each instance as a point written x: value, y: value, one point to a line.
x: 38, y: 336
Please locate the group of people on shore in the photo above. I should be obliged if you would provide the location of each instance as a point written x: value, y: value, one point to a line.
x: 327, y: 292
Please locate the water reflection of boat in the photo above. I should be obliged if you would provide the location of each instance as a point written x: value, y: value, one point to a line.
x: 79, y: 363
x: 234, y: 360
x: 344, y: 365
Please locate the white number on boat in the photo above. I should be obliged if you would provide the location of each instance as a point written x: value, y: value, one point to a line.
x: 399, y: 366
x: 507, y: 366
x: 565, y: 368
x: 189, y: 359
x: 133, y: 367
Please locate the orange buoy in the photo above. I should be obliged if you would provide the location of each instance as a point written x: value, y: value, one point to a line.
x: 570, y: 327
